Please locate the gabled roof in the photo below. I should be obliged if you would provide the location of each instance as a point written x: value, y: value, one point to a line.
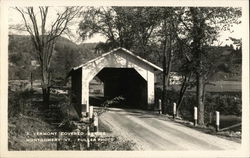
x: 125, y: 51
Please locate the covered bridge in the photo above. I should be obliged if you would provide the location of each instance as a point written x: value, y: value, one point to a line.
x: 123, y: 74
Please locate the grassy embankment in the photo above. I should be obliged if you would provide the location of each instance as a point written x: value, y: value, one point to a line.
x: 27, y: 116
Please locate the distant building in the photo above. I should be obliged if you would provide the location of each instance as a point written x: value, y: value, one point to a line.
x: 175, y: 78
x: 34, y: 63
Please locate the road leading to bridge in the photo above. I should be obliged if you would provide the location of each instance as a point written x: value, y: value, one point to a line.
x: 151, y: 132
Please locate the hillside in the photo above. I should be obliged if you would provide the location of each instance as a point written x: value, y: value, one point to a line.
x: 228, y: 63
x: 68, y: 54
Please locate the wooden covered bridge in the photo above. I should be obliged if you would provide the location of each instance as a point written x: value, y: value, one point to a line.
x: 123, y: 74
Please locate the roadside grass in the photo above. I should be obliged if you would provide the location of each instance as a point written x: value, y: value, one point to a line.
x: 117, y: 144
x: 27, y: 116
x: 232, y: 134
x: 22, y: 127
x: 24, y: 120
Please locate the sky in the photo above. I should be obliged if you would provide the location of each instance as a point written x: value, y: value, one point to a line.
x: 15, y: 18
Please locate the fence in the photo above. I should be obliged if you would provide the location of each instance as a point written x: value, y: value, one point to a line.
x: 228, y: 104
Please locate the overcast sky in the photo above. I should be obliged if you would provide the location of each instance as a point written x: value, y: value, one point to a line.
x: 15, y: 18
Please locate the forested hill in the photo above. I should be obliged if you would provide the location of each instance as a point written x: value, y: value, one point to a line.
x: 68, y: 54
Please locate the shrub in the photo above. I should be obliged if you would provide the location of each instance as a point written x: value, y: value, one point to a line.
x: 116, y: 102
x: 18, y: 102
x: 225, y: 103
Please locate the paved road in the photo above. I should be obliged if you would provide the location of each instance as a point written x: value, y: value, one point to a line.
x: 151, y: 132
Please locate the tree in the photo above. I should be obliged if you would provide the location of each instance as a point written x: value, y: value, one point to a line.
x: 204, y: 29
x: 44, y: 37
x: 128, y: 27
x: 179, y: 33
x: 167, y: 39
x: 145, y: 30
x: 172, y: 44
x: 195, y: 31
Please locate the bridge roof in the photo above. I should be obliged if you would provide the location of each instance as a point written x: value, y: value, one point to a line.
x: 125, y: 51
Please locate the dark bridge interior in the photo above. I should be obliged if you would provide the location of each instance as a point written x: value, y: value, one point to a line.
x: 124, y: 82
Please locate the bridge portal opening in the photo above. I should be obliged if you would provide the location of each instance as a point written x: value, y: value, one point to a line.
x: 124, y: 83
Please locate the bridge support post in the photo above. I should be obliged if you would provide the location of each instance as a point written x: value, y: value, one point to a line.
x: 91, y: 112
x: 95, y: 122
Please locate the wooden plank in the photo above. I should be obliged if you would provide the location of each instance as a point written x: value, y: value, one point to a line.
x: 227, y: 128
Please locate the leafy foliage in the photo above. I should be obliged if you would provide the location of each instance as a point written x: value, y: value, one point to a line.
x: 187, y: 34
x: 122, y: 26
x: 115, y: 102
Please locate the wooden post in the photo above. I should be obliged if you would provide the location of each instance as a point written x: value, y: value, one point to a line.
x: 91, y: 112
x: 195, y: 116
x: 84, y: 107
x: 217, y: 120
x: 81, y: 146
x: 88, y: 135
x: 95, y: 122
x: 58, y: 144
x: 174, y: 110
x: 160, y: 107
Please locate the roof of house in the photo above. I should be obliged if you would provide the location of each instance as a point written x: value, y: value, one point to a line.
x: 125, y: 51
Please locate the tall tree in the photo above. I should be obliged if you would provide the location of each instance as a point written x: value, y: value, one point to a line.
x: 204, y: 29
x: 44, y: 37
x: 168, y: 35
x: 170, y: 29
x: 139, y: 29
x: 128, y: 27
